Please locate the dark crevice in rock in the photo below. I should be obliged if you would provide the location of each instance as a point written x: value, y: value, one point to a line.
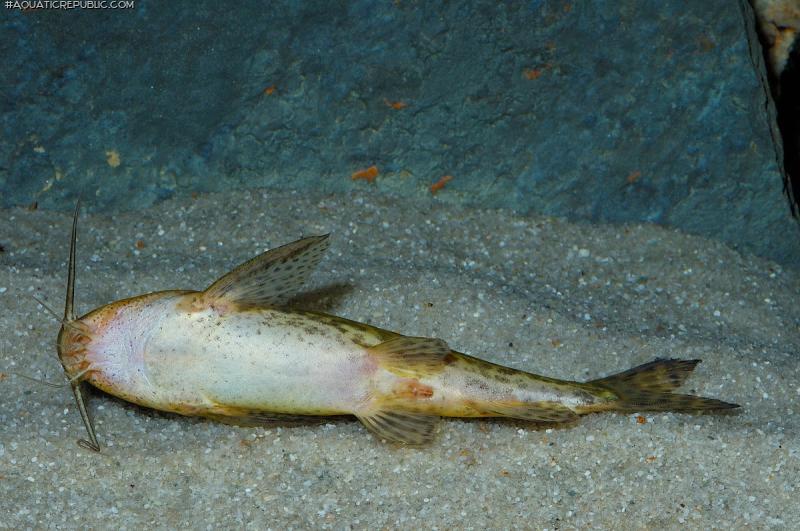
x: 787, y: 103
x: 785, y: 91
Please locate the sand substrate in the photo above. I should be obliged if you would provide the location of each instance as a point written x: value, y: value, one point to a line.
x: 566, y: 300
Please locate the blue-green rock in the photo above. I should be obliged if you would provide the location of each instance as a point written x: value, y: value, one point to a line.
x: 617, y: 110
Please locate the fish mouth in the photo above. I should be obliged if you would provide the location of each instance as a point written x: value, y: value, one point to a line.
x: 73, y: 339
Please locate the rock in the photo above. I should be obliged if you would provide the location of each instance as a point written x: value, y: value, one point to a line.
x: 609, y: 111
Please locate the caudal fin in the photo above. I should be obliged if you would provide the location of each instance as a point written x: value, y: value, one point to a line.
x: 649, y: 387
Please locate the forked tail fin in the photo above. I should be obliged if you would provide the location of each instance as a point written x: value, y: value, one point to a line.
x: 650, y: 387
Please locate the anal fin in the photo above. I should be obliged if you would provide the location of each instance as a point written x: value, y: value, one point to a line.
x: 257, y: 418
x: 401, y: 427
x: 531, y: 411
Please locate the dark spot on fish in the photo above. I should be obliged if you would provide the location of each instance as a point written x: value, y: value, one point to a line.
x: 361, y: 341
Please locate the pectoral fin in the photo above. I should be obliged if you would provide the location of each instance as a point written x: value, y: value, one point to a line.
x: 401, y: 427
x: 269, y: 279
x: 412, y: 357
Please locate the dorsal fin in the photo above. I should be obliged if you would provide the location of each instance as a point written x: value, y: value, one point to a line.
x: 269, y: 279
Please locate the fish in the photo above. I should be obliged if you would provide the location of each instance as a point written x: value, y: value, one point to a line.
x: 239, y: 352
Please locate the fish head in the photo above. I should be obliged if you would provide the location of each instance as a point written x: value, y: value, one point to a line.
x: 106, y: 347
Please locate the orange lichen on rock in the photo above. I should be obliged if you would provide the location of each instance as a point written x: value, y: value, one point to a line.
x: 438, y: 185
x: 112, y: 158
x: 536, y: 73
x: 532, y: 73
x: 368, y: 174
x: 706, y: 44
x: 396, y: 105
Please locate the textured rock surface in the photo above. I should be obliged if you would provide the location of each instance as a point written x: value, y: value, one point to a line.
x: 539, y: 294
x: 617, y: 110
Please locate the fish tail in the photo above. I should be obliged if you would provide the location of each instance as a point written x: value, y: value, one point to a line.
x: 650, y: 387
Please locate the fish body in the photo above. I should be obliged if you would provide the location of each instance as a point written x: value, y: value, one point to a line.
x: 151, y: 352
x: 236, y: 352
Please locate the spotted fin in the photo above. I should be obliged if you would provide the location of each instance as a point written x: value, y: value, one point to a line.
x: 412, y: 357
x: 401, y: 427
x: 659, y: 376
x: 648, y: 388
x: 531, y: 411
x: 269, y: 279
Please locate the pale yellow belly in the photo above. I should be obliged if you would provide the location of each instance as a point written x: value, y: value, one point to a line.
x: 262, y: 360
